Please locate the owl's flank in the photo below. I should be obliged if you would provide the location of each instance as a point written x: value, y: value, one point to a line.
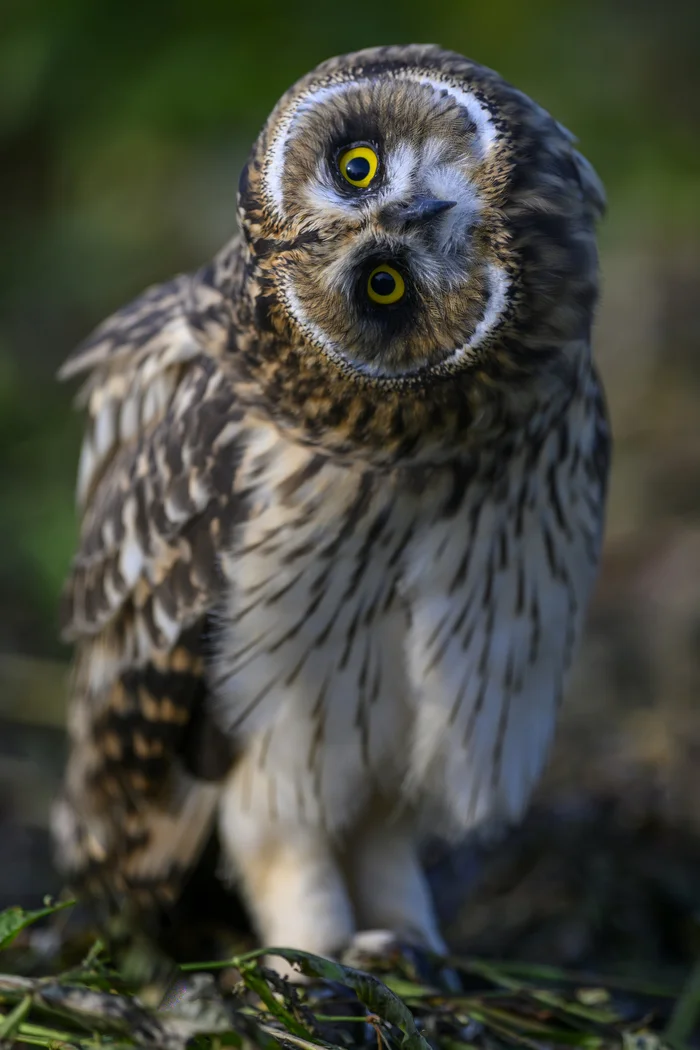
x: 341, y: 496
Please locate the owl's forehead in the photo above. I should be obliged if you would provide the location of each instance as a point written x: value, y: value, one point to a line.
x: 407, y: 109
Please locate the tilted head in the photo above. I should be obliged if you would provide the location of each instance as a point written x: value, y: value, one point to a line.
x: 411, y: 217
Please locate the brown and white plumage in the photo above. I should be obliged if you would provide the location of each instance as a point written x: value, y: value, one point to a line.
x: 141, y: 591
x: 335, y: 554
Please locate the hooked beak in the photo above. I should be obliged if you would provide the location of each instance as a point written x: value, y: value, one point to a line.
x: 421, y: 209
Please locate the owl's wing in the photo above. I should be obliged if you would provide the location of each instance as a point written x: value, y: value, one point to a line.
x: 155, y: 492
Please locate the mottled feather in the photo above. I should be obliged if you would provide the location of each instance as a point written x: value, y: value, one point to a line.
x: 335, y: 555
x: 156, y: 485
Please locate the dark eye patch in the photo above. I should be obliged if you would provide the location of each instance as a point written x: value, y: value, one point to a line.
x: 390, y: 319
x: 344, y: 146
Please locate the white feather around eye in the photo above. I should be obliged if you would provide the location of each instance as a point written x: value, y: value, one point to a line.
x: 496, y: 306
x: 401, y: 164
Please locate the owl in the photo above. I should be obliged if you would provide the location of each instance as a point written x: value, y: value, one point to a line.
x: 342, y: 494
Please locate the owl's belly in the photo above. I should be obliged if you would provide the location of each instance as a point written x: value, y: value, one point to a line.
x: 330, y: 727
x: 311, y: 678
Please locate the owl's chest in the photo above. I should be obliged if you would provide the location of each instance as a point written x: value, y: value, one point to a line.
x: 312, y: 676
x: 376, y: 626
x: 318, y: 614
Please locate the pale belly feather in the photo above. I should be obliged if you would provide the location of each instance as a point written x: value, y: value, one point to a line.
x: 375, y: 646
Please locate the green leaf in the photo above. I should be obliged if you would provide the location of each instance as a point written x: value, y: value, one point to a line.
x: 14, y: 920
x: 369, y: 990
x: 11, y: 1022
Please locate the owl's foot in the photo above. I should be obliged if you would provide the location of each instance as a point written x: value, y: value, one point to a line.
x: 363, y: 949
x: 371, y: 944
x: 288, y: 971
x: 383, y: 950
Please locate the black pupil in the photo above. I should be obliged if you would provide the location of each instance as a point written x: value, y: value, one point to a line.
x: 382, y: 283
x: 357, y: 169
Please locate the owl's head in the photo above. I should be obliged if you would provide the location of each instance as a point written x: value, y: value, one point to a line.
x: 411, y: 216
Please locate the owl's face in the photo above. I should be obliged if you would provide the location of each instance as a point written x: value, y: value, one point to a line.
x: 391, y: 223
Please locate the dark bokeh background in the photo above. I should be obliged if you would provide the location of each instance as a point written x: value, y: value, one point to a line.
x: 123, y: 126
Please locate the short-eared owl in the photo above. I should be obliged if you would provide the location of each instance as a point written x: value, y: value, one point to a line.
x: 342, y: 494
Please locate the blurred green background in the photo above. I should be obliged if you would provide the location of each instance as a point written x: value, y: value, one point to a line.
x: 123, y: 127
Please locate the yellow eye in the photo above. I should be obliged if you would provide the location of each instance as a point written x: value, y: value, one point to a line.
x: 385, y: 285
x: 359, y: 165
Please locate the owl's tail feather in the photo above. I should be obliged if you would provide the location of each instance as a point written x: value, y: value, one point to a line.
x: 156, y: 849
x: 157, y: 898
